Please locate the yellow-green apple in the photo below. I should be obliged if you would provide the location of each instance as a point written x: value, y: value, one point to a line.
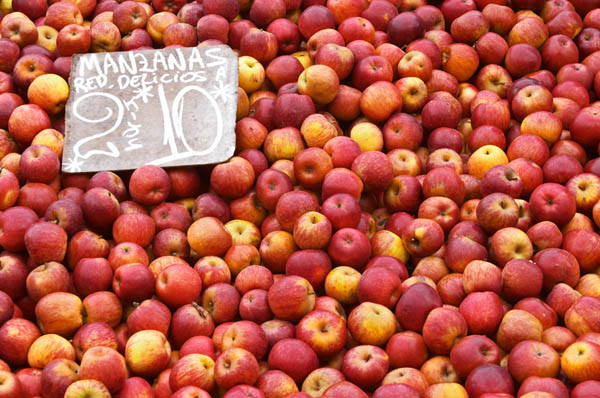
x: 57, y: 376
x: 371, y: 323
x: 16, y: 336
x: 188, y: 321
x: 275, y: 383
x: 47, y: 348
x: 483, y: 312
x: 473, y: 351
x: 319, y: 380
x: 235, y: 366
x: 48, y: 278
x: 489, y: 378
x: 324, y: 331
x: 521, y: 278
x: 94, y: 334
x: 581, y: 361
x: 533, y: 358
x: 147, y: 353
x: 87, y: 387
x: 342, y: 284
x: 558, y: 266
x: 221, y: 301
x: 517, y: 326
x: 294, y: 357
x: 105, y: 365
x: 251, y: 74
x: 150, y: 314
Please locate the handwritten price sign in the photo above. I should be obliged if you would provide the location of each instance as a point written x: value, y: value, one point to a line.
x: 169, y: 107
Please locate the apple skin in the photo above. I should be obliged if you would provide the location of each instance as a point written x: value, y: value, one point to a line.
x: 587, y: 388
x: 304, y: 359
x: 489, y: 378
x: 57, y: 376
x: 354, y: 369
x: 579, y: 318
x: 442, y: 328
x: 574, y: 357
x: 472, y: 352
x: 291, y: 297
x: 532, y: 358
x: 105, y: 365
x: 19, y: 334
x: 544, y: 384
x: 418, y: 300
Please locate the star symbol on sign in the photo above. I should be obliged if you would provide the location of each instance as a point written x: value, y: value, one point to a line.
x: 222, y: 91
x: 73, y: 165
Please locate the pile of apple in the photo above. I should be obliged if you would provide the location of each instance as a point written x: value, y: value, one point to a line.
x: 412, y: 210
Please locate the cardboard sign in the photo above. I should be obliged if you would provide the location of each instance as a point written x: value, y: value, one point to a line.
x: 168, y: 107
